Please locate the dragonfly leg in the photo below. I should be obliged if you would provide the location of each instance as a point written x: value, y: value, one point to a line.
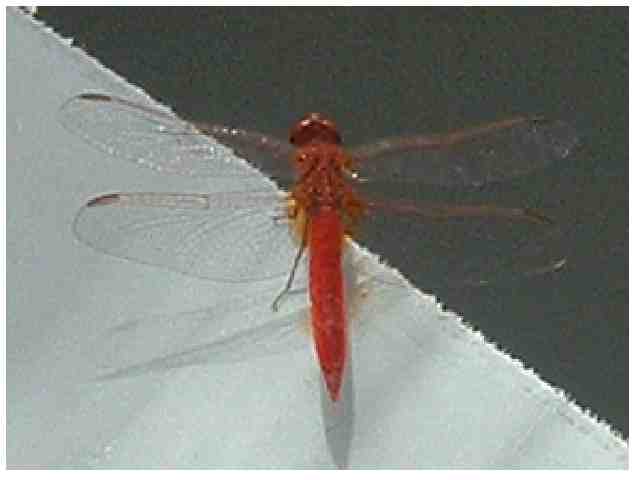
x: 280, y: 219
x: 276, y: 303
x: 290, y: 212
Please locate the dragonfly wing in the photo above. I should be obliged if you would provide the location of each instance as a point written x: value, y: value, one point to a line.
x: 489, y: 153
x: 160, y: 140
x: 457, y: 245
x: 233, y: 237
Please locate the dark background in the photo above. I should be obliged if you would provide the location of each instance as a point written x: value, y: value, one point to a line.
x: 384, y: 71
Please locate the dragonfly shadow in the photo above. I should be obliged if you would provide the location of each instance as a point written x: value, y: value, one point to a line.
x: 219, y: 334
x: 338, y: 418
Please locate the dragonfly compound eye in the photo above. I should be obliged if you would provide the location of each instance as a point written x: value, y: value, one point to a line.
x: 314, y: 128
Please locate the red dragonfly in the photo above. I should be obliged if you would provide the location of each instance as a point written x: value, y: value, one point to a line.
x: 249, y: 236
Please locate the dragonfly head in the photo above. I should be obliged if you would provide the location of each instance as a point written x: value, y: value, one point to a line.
x: 314, y: 128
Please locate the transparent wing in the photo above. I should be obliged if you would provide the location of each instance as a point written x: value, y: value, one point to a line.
x: 488, y: 153
x: 160, y: 140
x: 232, y: 237
x: 464, y: 244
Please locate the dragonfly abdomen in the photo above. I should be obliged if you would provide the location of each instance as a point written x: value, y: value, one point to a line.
x: 326, y: 283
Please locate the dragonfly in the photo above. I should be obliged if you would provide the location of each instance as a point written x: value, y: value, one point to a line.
x: 330, y: 194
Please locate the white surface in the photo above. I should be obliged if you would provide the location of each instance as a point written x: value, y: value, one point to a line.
x: 425, y: 391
